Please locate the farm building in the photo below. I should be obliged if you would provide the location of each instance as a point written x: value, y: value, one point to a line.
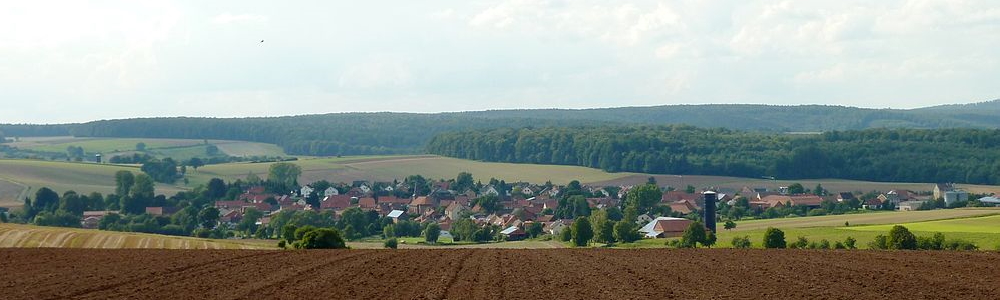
x: 665, y: 227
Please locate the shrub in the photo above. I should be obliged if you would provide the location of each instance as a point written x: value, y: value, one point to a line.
x: 391, y: 243
x: 839, y: 245
x: 741, y: 242
x: 960, y: 245
x: 675, y: 244
x: 850, y: 243
x: 322, y: 238
x: 281, y: 244
x: 774, y: 238
x: 801, y: 243
x: 693, y: 235
x: 823, y: 244
x: 900, y: 238
x: 880, y: 242
x: 566, y: 234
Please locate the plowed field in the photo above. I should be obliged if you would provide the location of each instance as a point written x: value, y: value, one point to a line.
x: 496, y: 274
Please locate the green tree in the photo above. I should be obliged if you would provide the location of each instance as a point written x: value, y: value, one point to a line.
x: 196, y: 163
x: 900, y: 238
x: 693, y: 235
x: 140, y: 146
x: 45, y: 200
x: 741, y: 242
x: 850, y: 243
x: 819, y: 190
x: 729, y: 225
x: 463, y: 229
x: 534, y: 229
x: 216, y: 189
x: 322, y: 238
x: 432, y: 232
x: 391, y: 243
x: 644, y: 197
x: 463, y: 182
x: 284, y: 173
x: 123, y: 182
x: 626, y: 232
x: 796, y: 188
x: 489, y: 203
x: 208, y: 217
x: 248, y: 223
x: 389, y: 231
x: 72, y: 203
x: 774, y: 238
x: 566, y: 234
x: 710, y: 239
x: 144, y: 188
x: 583, y: 232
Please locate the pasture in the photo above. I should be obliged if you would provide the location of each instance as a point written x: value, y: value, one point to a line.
x: 178, y: 149
x: 28, y: 236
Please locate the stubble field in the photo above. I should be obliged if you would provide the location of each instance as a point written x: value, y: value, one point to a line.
x: 497, y: 274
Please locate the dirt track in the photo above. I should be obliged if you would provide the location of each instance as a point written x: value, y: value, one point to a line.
x: 496, y: 274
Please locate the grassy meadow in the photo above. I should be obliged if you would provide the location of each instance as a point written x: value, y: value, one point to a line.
x: 60, y: 176
x: 28, y: 236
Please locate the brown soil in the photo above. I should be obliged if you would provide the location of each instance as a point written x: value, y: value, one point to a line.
x: 496, y: 274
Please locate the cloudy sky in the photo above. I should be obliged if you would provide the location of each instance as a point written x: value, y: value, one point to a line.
x: 73, y: 61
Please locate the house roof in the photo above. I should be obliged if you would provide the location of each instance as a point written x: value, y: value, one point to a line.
x: 367, y: 202
x: 807, y: 200
x: 336, y: 202
x: 395, y: 213
x: 422, y: 200
x: 650, y: 227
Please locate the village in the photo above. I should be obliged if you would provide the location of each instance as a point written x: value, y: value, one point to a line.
x: 519, y: 206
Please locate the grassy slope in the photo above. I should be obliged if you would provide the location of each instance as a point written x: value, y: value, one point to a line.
x: 28, y: 236
x: 64, y: 176
x: 175, y: 148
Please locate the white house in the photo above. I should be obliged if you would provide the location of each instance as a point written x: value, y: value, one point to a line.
x: 305, y: 191
x: 330, y: 191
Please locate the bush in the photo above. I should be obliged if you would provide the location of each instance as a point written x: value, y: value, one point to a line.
x: 322, y: 238
x: 741, y: 242
x: 850, y: 243
x: 391, y: 243
x: 900, y: 238
x: 823, y: 244
x: 880, y: 242
x: 960, y: 245
x: 281, y: 244
x: 675, y: 244
x: 774, y: 238
x: 800, y: 243
x: 839, y: 245
x: 566, y: 234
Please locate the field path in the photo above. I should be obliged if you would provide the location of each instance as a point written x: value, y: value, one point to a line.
x: 497, y: 274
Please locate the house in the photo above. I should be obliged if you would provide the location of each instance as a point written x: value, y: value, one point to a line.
x: 683, y: 206
x: 811, y: 201
x: 335, y: 203
x: 421, y: 204
x: 909, y: 205
x: 841, y: 197
x: 665, y: 227
x: 514, y: 233
x: 305, y: 191
x: 330, y: 191
x: 491, y: 190
x: 556, y: 227
x: 941, y: 188
x: 455, y: 210
x: 92, y: 218
x: 873, y: 203
x: 162, y: 211
x: 643, y: 219
x: 990, y: 201
x: 367, y: 203
x: 396, y: 215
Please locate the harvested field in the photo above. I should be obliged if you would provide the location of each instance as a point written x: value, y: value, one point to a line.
x: 497, y: 274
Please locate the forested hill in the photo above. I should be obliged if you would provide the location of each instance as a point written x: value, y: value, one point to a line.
x: 772, y: 118
x: 390, y: 133
x: 902, y: 155
x: 329, y: 134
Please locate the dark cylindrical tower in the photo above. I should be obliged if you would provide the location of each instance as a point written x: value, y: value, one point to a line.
x: 710, y: 199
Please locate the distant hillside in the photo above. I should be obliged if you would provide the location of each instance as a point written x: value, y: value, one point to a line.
x: 407, y: 133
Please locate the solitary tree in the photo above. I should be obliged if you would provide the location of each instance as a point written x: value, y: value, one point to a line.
x: 693, y: 235
x: 729, y: 225
x: 774, y: 238
x: 900, y: 238
x: 432, y: 232
x: 625, y: 232
x: 209, y: 217
x: 583, y: 232
x: 140, y: 146
x: 322, y: 238
x: 284, y: 173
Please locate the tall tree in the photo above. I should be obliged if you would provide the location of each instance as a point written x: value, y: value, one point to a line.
x: 144, y: 188
x: 123, y: 182
x: 644, y: 196
x: 284, y: 173
x: 209, y: 217
x: 583, y: 232
x: 432, y: 232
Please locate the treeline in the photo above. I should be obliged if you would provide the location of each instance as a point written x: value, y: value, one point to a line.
x: 902, y: 155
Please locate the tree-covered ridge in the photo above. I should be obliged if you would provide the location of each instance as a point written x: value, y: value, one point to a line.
x: 407, y: 133
x: 903, y: 155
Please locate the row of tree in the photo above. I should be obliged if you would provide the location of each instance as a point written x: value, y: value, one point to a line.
x: 907, y: 155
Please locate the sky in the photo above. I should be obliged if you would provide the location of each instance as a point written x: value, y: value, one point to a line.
x: 78, y: 61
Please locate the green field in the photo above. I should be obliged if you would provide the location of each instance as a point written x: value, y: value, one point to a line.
x: 979, y: 225
x: 31, y: 175
x: 28, y: 236
x: 388, y: 168
x: 178, y: 149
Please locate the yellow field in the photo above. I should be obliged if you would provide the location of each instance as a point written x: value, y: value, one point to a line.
x: 28, y: 236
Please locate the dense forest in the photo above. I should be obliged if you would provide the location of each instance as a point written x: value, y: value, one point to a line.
x: 405, y: 133
x: 902, y: 155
